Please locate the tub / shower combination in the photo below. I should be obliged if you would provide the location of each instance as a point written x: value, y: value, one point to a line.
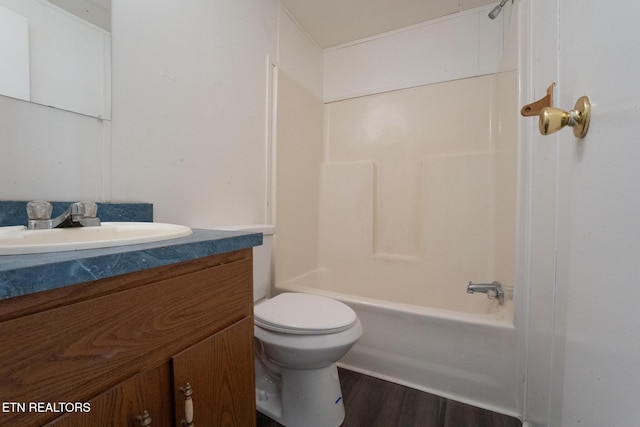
x: 391, y: 204
x: 466, y: 356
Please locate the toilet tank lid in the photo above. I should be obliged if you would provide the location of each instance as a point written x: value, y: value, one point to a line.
x: 265, y: 229
x: 299, y: 313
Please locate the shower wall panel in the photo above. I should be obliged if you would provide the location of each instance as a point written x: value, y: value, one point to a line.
x: 297, y: 185
x: 409, y: 191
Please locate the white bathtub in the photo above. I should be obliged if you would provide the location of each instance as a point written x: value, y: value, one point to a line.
x: 468, y: 357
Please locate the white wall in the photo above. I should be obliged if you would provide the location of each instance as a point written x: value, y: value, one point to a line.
x: 54, y: 154
x: 299, y: 56
x: 192, y: 84
x: 457, y: 46
x: 192, y: 134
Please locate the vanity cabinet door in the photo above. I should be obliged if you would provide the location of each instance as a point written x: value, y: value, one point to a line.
x: 220, y: 372
x: 120, y: 406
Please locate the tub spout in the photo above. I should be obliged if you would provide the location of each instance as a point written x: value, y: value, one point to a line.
x: 493, y: 290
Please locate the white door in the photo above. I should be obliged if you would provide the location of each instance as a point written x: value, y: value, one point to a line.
x: 595, y: 370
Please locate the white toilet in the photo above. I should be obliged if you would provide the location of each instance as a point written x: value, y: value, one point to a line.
x: 299, y: 339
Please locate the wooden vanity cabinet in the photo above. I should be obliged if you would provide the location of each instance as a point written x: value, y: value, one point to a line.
x: 127, y: 344
x: 121, y: 405
x: 222, y: 381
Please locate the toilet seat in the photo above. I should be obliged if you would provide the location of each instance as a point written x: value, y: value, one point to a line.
x: 297, y: 313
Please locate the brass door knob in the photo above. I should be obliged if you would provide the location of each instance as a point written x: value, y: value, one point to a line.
x: 553, y: 119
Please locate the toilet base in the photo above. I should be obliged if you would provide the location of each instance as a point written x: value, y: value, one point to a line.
x: 307, y: 398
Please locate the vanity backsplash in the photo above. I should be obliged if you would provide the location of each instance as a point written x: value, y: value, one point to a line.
x: 15, y: 213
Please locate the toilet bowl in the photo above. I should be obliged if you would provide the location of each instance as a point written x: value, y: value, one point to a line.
x: 298, y: 340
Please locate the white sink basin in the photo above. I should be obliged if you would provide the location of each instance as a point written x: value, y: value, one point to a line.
x: 18, y: 240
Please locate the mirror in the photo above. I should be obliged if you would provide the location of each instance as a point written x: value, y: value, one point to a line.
x: 59, y: 54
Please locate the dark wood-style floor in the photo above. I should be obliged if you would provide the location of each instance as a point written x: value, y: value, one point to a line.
x: 371, y: 402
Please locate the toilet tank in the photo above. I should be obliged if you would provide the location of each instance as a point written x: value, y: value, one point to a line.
x: 262, y: 270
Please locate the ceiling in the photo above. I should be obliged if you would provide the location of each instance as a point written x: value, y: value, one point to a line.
x: 334, y: 22
x: 328, y: 22
x: 97, y: 12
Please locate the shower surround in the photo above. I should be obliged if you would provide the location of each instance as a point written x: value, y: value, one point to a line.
x: 409, y: 194
x: 392, y: 202
x: 416, y: 196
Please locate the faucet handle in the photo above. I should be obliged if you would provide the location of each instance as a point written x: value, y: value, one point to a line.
x: 39, y: 210
x: 87, y: 213
x: 90, y: 209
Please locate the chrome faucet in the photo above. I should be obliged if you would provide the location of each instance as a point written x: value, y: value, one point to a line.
x: 493, y: 290
x: 79, y: 214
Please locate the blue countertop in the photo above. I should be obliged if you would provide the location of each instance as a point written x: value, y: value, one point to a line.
x: 26, y: 274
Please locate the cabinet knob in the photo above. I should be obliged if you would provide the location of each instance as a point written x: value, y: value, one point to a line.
x: 188, y: 406
x: 144, y: 420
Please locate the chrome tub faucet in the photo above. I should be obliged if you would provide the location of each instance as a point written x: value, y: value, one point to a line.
x: 493, y: 290
x: 79, y: 214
